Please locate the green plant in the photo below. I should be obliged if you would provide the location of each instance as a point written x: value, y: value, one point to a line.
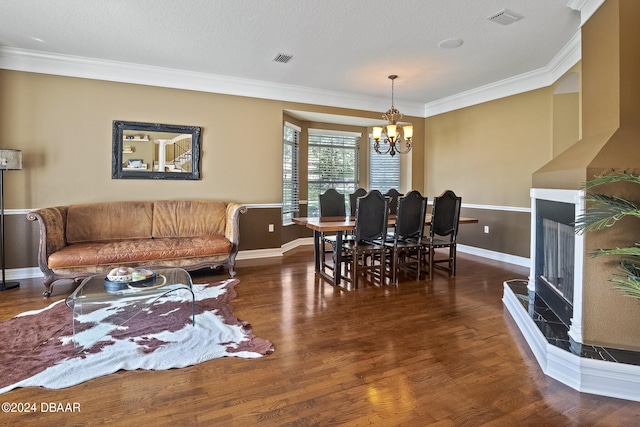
x: 605, y: 211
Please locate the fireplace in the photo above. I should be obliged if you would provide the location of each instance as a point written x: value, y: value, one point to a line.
x: 554, y: 256
x: 558, y: 254
x: 557, y: 278
x: 568, y: 298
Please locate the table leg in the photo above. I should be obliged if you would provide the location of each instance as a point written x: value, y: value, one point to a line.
x: 317, y: 249
x: 337, y: 256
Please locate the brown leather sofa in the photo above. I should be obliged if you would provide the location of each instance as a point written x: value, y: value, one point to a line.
x: 77, y: 241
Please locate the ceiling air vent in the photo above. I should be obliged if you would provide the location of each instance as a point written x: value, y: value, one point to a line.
x: 505, y: 17
x: 282, y: 58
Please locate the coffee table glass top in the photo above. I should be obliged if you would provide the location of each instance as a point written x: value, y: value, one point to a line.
x: 125, y: 303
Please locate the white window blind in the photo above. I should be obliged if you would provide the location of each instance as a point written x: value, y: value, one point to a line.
x: 333, y: 163
x: 290, y: 176
x: 384, y: 170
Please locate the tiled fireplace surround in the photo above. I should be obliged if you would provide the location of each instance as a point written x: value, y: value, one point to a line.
x: 558, y: 346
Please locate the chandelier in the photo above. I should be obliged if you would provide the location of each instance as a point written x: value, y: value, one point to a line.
x: 393, y: 133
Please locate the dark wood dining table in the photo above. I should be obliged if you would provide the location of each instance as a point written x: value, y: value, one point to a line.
x: 339, y: 225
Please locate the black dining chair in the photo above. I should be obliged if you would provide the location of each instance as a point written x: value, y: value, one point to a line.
x: 353, y: 197
x: 393, y: 196
x: 366, y: 252
x: 445, y: 218
x: 405, y: 243
x: 393, y: 204
x: 332, y: 204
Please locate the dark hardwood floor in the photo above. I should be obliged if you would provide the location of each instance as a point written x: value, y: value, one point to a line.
x: 441, y: 353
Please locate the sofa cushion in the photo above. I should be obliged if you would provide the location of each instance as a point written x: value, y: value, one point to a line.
x: 99, y: 222
x: 139, y: 251
x: 187, y: 218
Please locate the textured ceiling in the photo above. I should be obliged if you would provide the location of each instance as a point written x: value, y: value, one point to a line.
x: 345, y: 46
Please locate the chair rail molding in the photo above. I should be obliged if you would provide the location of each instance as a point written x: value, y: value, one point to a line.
x: 496, y: 207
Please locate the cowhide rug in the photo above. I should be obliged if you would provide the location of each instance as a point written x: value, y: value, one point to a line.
x: 37, y: 349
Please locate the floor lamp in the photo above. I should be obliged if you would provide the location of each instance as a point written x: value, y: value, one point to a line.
x: 9, y: 160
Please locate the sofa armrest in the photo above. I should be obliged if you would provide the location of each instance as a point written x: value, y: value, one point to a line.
x: 53, y: 223
x: 232, y: 229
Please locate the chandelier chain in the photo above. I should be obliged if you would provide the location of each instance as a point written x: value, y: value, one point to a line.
x: 392, y: 92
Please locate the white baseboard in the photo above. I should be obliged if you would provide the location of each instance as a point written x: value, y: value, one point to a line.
x: 274, y: 252
x: 260, y: 253
x: 497, y: 256
x: 306, y: 241
x: 592, y: 376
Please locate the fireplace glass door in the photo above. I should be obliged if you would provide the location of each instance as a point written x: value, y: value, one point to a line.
x: 555, y: 256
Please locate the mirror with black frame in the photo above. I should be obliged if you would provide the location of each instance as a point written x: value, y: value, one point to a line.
x: 155, y: 151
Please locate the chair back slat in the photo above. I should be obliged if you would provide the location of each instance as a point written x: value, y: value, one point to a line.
x: 412, y: 210
x: 332, y: 203
x: 371, y: 216
x: 445, y: 215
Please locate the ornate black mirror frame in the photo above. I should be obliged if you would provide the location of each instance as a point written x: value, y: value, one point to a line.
x: 138, y: 132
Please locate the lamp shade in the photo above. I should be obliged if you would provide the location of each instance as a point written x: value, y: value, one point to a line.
x: 377, y: 133
x: 408, y: 132
x: 10, y: 159
x: 392, y: 132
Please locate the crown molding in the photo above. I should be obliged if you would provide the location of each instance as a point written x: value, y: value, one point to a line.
x: 569, y: 56
x: 585, y: 7
x: 122, y: 72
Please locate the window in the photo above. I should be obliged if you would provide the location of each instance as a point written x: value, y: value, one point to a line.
x: 290, y: 181
x: 333, y: 163
x: 384, y: 170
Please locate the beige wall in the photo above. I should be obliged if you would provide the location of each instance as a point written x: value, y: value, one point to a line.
x: 488, y: 152
x: 610, y: 318
x: 63, y: 125
x: 566, y: 121
x: 611, y: 89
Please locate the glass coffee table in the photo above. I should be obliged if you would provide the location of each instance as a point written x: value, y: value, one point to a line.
x: 120, y: 302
